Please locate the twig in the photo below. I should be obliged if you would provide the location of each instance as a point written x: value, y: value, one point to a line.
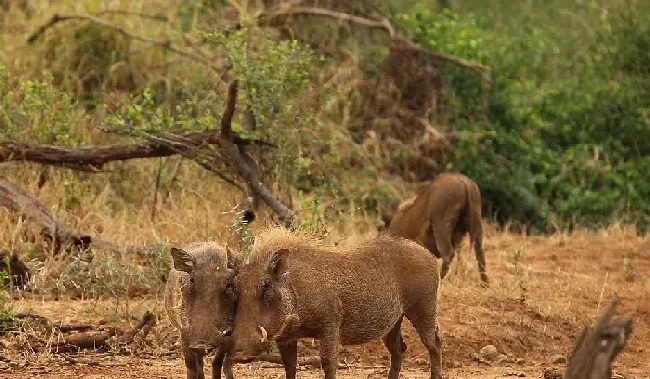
x: 164, y: 43
x: 145, y: 323
x: 385, y: 25
x: 157, y: 17
x: 602, y: 291
x: 154, y: 206
x: 174, y: 178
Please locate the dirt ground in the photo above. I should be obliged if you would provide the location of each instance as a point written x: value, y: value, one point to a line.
x: 534, y: 309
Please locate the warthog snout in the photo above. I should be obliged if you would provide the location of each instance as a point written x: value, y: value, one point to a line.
x: 253, y: 345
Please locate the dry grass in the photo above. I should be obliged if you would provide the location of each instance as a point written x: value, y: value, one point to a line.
x: 567, y: 280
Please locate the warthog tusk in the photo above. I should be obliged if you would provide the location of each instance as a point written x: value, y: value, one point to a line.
x: 264, y: 335
x: 226, y: 332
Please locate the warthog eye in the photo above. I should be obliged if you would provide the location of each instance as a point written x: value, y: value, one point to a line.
x: 230, y: 287
x: 266, y: 290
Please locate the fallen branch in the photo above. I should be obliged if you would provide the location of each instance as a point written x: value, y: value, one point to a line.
x: 598, y: 346
x: 242, y: 168
x: 58, y: 232
x: 84, y: 340
x: 93, y: 158
x: 91, y: 362
x: 63, y: 328
x: 54, y: 230
x: 145, y: 324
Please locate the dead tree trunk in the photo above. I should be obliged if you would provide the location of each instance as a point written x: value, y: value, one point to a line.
x: 53, y: 229
x: 598, y: 346
x: 57, y: 232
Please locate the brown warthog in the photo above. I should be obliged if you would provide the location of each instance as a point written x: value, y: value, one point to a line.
x: 294, y: 287
x: 439, y: 217
x: 199, y: 301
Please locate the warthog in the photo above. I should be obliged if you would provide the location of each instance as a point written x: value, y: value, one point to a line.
x: 200, y: 301
x: 439, y: 217
x: 293, y: 287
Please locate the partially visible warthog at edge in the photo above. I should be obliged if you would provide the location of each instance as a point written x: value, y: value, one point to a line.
x: 199, y: 301
x: 294, y: 287
x: 18, y: 272
x: 439, y: 217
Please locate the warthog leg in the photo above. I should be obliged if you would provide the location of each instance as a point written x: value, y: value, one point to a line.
x: 396, y: 347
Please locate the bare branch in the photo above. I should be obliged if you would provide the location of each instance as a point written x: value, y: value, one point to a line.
x: 479, y: 68
x: 156, y: 17
x: 244, y: 170
x: 165, y: 43
x: 92, y: 158
x: 385, y: 25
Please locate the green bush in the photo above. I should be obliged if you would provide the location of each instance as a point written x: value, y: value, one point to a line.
x: 571, y: 132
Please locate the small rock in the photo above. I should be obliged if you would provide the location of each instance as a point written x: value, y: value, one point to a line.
x: 420, y: 361
x: 501, y: 358
x: 519, y: 361
x: 489, y: 352
x: 552, y: 374
x: 558, y: 359
x: 456, y: 364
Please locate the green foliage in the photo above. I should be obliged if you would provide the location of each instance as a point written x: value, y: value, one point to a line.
x: 35, y: 111
x: 570, y: 128
x: 270, y: 71
x: 7, y: 312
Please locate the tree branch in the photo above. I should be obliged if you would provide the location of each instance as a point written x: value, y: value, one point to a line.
x: 244, y: 170
x: 92, y: 158
x: 165, y: 43
x: 397, y: 42
x: 598, y: 346
x: 384, y: 24
x: 156, y: 17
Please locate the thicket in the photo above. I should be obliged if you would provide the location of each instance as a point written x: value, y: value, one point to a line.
x: 569, y: 107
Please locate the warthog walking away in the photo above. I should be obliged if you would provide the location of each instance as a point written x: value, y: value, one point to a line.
x: 199, y: 301
x: 440, y: 216
x: 294, y: 287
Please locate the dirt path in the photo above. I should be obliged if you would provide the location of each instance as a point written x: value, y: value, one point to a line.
x: 173, y: 368
x: 532, y: 312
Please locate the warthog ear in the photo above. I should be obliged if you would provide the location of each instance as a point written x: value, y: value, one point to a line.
x: 232, y: 261
x: 278, y: 262
x: 183, y: 261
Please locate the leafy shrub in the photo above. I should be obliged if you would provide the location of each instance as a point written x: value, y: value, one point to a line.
x: 570, y: 139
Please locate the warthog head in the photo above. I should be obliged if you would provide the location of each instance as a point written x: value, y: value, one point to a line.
x: 208, y: 299
x: 264, y: 308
